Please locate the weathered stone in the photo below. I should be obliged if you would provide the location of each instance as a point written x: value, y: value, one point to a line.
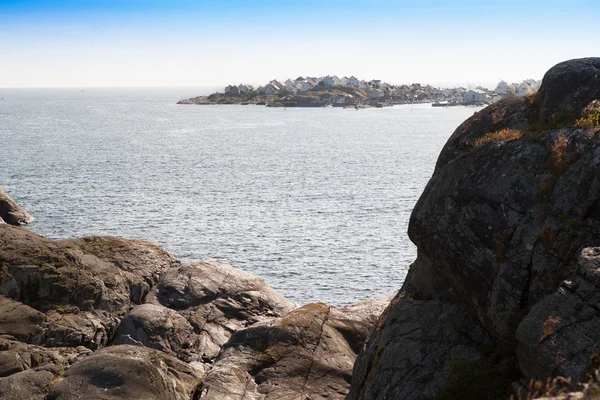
x: 21, y: 321
x: 11, y: 213
x: 27, y: 385
x: 307, y: 354
x: 16, y: 356
x: 160, y: 328
x: 217, y: 300
x: 127, y: 372
x: 91, y: 329
x: 498, y: 229
x: 560, y: 333
x: 568, y: 87
x: 411, y: 353
x: 90, y: 273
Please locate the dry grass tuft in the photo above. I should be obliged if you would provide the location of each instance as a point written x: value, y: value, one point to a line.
x: 504, y: 134
x: 558, y: 153
x: 536, y: 389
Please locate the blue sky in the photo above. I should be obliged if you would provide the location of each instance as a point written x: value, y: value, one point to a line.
x: 213, y: 43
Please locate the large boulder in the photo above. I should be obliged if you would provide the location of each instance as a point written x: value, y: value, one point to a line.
x: 11, y: 212
x: 307, y: 354
x: 27, y: 372
x: 160, y: 328
x: 507, y: 230
x: 215, y: 299
x: 568, y: 88
x: 127, y: 372
x: 102, y: 273
x: 72, y: 292
x: 502, y: 220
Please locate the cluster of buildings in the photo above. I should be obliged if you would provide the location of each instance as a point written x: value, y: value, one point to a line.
x: 376, y: 90
x: 483, y: 95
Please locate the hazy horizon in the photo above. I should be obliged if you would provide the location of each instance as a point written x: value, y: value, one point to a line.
x: 171, y: 44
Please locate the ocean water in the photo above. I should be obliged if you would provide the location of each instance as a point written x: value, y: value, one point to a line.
x: 314, y: 201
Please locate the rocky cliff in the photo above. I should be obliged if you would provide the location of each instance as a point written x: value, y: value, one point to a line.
x: 506, y: 285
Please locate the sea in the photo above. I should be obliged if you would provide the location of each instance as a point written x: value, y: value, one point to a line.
x: 315, y: 201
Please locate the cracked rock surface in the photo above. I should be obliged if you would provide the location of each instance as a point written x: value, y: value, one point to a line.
x: 307, y: 354
x: 110, y: 318
x: 508, y: 236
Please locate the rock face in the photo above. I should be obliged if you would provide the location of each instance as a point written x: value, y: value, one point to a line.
x: 127, y: 372
x: 307, y: 354
x: 11, y: 212
x: 568, y: 87
x: 507, y: 231
x: 206, y: 304
x: 109, y: 318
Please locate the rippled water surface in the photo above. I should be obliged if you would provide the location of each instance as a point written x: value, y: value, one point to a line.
x: 314, y: 201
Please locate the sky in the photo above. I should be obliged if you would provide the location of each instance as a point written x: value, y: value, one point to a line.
x: 197, y: 43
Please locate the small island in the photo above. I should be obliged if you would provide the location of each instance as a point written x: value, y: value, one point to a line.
x: 331, y: 91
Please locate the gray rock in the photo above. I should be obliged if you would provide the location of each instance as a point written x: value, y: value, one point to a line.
x: 11, y: 213
x: 92, y: 329
x: 91, y: 273
x: 307, y: 354
x: 160, y: 328
x: 17, y: 357
x: 411, y: 353
x: 499, y: 228
x: 560, y: 333
x: 568, y: 87
x: 27, y: 385
x: 21, y: 321
x: 217, y: 300
x: 127, y: 372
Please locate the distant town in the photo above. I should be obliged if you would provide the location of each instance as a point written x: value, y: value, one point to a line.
x: 331, y: 91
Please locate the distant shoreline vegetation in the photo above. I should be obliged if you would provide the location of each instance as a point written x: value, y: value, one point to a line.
x: 331, y: 91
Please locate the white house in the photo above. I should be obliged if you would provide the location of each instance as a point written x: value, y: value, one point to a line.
x: 502, y: 88
x: 290, y: 86
x: 353, y: 81
x: 328, y: 81
x: 475, y: 96
x: 272, y: 89
x: 343, y: 81
x: 304, y: 86
x: 375, y: 94
x: 244, y: 89
x: 232, y: 90
x: 527, y: 86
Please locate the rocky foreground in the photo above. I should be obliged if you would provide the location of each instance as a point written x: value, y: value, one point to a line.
x: 503, y: 299
x: 109, y: 318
